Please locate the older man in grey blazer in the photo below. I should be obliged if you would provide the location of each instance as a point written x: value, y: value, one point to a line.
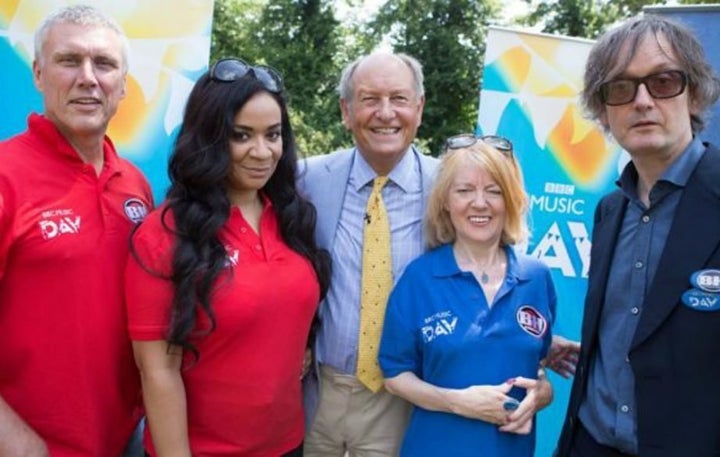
x: 382, y: 99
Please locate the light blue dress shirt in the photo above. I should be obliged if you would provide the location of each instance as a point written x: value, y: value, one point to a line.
x: 340, y: 314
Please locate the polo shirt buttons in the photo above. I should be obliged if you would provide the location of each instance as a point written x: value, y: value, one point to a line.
x: 646, y: 218
x: 243, y: 230
x: 635, y: 310
x: 258, y: 247
x: 624, y: 408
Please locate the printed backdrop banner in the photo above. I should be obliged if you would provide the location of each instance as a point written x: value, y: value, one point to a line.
x: 169, y: 50
x: 529, y: 94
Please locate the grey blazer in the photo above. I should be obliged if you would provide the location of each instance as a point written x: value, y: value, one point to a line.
x: 323, y: 181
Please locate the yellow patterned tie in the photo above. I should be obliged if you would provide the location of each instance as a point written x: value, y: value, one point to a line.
x: 375, y: 286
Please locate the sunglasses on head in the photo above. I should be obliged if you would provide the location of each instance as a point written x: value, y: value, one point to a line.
x: 229, y: 70
x: 465, y: 140
x: 665, y: 84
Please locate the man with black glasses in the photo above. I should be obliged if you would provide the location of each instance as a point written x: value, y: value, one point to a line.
x: 645, y: 382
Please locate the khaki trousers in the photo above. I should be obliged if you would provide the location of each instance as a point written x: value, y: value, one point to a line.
x: 353, y: 421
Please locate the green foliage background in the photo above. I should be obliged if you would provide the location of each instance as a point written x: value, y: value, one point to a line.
x: 309, y: 45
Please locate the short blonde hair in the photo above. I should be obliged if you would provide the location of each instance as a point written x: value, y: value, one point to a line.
x: 506, y: 173
x: 80, y: 15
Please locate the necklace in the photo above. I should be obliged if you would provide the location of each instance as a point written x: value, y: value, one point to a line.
x: 484, y: 278
x: 481, y: 272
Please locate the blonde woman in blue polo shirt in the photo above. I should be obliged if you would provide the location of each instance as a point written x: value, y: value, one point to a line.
x: 468, y: 323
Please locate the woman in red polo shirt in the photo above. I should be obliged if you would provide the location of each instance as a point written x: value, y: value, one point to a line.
x: 224, y: 278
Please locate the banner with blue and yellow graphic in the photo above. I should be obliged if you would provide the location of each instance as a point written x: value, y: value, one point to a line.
x: 169, y: 50
x: 529, y: 94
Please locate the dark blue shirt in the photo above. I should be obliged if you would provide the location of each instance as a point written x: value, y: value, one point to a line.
x: 608, y: 411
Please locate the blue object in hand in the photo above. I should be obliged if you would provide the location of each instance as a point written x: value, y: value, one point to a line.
x: 511, y: 405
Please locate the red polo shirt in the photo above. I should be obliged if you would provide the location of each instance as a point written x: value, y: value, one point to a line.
x: 66, y: 364
x: 244, y: 394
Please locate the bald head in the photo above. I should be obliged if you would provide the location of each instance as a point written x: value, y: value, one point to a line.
x: 376, y: 60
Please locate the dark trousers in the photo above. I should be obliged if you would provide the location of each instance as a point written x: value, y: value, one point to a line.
x: 584, y: 445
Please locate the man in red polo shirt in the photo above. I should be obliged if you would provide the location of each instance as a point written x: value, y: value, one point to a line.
x: 68, y: 384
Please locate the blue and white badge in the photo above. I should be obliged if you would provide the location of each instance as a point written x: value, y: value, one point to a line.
x: 707, y: 280
x: 704, y: 295
x: 700, y: 300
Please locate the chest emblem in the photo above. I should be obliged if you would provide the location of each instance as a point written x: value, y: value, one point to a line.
x: 531, y: 321
x: 437, y: 325
x: 59, y: 222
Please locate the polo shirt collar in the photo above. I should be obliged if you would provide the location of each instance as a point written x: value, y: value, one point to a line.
x: 55, y: 143
x: 446, y: 265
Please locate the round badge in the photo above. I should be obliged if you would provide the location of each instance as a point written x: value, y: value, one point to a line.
x: 707, y: 280
x: 530, y: 320
x: 135, y: 209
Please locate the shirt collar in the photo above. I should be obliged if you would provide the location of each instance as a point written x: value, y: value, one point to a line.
x: 678, y: 173
x: 446, y: 265
x: 405, y: 173
x: 57, y: 144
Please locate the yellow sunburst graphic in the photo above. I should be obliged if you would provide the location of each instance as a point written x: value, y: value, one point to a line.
x: 580, y: 147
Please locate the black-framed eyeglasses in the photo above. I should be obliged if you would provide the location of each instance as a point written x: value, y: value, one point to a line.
x: 465, y: 140
x: 231, y: 69
x: 665, y: 84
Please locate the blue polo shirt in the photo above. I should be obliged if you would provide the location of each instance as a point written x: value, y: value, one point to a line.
x: 439, y: 326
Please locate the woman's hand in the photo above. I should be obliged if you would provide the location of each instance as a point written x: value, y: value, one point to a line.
x: 485, y: 402
x: 538, y: 395
x: 482, y: 402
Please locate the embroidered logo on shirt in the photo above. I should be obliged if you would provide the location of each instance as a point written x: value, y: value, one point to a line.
x: 135, y: 209
x: 58, y: 222
x: 530, y: 320
x: 442, y: 323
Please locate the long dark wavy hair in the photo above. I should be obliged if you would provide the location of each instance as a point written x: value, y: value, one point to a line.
x: 198, y: 200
